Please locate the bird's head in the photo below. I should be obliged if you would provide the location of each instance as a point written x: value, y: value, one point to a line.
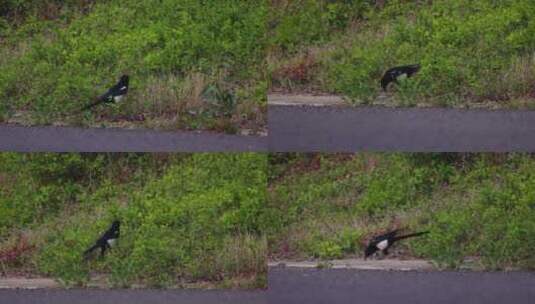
x: 415, y: 67
x: 116, y: 224
x: 124, y: 79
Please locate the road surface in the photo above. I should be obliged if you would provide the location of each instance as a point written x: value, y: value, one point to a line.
x: 288, y: 285
x: 102, y: 296
x: 315, y: 286
x: 349, y: 129
x: 68, y: 139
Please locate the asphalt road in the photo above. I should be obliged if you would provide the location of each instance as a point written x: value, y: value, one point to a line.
x: 306, y: 129
x: 315, y: 286
x: 329, y: 286
x: 68, y: 139
x: 349, y: 129
x: 93, y: 296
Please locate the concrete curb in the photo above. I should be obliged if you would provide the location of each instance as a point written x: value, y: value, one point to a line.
x: 24, y: 283
x: 396, y: 265
x: 306, y: 100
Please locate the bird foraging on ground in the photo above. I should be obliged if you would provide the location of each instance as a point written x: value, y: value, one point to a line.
x: 113, y: 95
x: 383, y: 242
x: 394, y: 73
x: 106, y: 241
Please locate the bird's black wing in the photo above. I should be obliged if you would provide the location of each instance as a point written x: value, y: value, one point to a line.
x: 112, y: 233
x: 122, y: 90
x: 115, y: 233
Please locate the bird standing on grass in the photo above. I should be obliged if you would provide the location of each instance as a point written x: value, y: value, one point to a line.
x: 106, y: 241
x: 385, y: 241
x: 114, y: 94
x: 394, y: 73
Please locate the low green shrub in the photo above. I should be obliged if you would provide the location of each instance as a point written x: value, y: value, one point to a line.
x: 470, y: 52
x: 178, y: 214
x: 478, y: 206
x: 55, y: 68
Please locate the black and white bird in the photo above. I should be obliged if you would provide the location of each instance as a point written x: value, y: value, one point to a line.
x: 106, y: 241
x: 114, y: 94
x: 383, y: 242
x: 393, y: 74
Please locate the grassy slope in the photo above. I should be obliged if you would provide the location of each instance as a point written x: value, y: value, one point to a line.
x: 473, y: 205
x: 174, y: 50
x: 473, y: 53
x: 187, y: 220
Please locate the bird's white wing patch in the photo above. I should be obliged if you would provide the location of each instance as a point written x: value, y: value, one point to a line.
x: 118, y: 98
x: 111, y: 242
x: 402, y: 76
x: 382, y: 244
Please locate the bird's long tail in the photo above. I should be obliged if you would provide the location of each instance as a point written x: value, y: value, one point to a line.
x: 88, y: 251
x: 411, y: 235
x: 96, y: 103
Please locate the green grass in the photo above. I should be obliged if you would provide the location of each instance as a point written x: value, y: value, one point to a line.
x: 472, y: 53
x: 193, y: 64
x: 187, y: 220
x: 474, y: 205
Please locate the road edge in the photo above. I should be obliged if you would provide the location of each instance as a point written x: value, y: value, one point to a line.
x: 360, y: 264
x: 275, y: 99
x: 27, y: 283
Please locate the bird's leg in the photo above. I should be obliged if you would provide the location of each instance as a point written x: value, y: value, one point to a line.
x: 381, y: 255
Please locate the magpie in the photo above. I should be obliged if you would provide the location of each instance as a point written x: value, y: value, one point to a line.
x: 391, y: 75
x: 106, y: 241
x: 114, y: 94
x: 383, y: 242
